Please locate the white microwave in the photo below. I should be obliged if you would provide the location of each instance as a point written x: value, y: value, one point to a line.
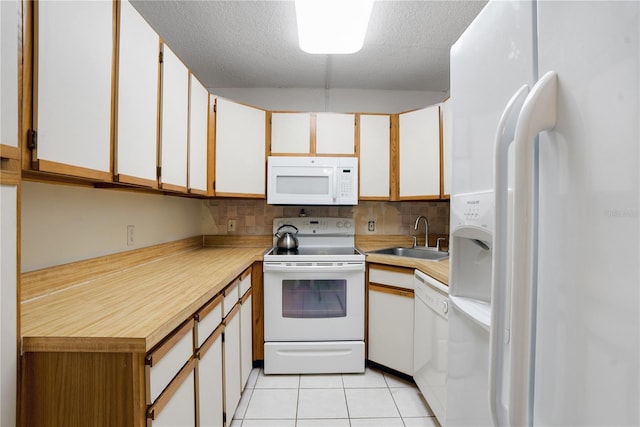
x: 312, y: 180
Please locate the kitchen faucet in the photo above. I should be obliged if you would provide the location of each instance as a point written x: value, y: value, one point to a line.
x: 426, y: 229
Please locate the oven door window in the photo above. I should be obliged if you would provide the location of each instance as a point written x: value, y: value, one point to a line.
x: 314, y: 298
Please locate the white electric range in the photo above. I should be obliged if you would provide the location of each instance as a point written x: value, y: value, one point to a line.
x: 314, y: 300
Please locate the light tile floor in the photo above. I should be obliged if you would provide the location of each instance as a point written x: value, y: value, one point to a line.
x: 372, y: 399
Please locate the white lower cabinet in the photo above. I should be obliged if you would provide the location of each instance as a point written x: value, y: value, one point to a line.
x: 390, y: 339
x: 179, y: 409
x: 231, y: 345
x: 171, y: 380
x: 210, y: 381
x: 246, y: 338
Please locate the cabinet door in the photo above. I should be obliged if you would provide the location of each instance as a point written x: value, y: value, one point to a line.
x: 164, y: 362
x: 8, y: 302
x: 246, y: 338
x: 9, y: 27
x: 419, y: 156
x: 198, y: 137
x: 137, y: 117
x: 335, y: 133
x: 174, y: 122
x: 290, y: 133
x: 446, y: 148
x: 390, y: 338
x: 232, y: 363
x: 176, y: 407
x: 210, y: 383
x: 240, y: 150
x: 375, y: 140
x: 73, y: 100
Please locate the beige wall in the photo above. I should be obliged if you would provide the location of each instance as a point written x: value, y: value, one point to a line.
x: 62, y: 223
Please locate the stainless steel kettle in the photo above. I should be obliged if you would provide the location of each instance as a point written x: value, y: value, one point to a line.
x: 287, y: 240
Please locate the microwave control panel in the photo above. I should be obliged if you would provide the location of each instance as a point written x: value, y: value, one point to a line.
x: 345, y: 182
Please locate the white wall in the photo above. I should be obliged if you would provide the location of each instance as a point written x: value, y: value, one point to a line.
x: 332, y: 100
x: 62, y: 223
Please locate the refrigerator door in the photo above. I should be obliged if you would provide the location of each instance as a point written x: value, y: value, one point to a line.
x: 587, y: 348
x: 490, y: 62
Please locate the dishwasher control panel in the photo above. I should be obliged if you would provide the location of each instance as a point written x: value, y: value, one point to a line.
x: 432, y: 293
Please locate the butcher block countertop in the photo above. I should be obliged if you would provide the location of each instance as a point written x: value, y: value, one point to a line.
x: 128, y: 302
x: 132, y: 309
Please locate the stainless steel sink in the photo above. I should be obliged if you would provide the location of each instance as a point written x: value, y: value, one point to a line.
x: 427, y: 254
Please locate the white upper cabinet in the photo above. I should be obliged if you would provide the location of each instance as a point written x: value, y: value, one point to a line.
x: 375, y: 140
x: 419, y: 154
x: 137, y: 110
x: 74, y: 56
x: 335, y: 133
x: 198, y: 136
x: 290, y: 133
x: 174, y: 122
x: 9, y: 26
x: 445, y: 111
x: 240, y: 164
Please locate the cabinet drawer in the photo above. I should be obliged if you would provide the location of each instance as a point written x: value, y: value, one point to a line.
x: 245, y: 282
x: 231, y: 297
x: 392, y: 276
x: 165, y: 361
x: 176, y: 404
x: 207, y: 319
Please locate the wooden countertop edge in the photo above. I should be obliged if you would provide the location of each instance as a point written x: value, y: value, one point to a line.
x: 84, y: 344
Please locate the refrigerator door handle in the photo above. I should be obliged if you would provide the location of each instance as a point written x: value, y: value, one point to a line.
x: 538, y: 114
x: 499, y: 308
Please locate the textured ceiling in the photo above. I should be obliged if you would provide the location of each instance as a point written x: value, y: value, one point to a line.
x: 254, y: 44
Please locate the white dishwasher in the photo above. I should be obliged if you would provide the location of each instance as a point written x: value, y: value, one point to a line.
x: 430, y: 341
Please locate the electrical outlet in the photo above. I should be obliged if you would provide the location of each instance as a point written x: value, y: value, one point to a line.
x: 371, y: 226
x: 231, y: 225
x: 131, y: 235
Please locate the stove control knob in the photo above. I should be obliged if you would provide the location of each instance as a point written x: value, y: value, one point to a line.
x: 339, y: 224
x: 347, y: 224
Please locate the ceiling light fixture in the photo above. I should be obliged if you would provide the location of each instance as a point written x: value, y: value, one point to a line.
x: 332, y: 26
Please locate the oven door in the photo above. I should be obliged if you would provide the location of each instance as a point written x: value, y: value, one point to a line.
x: 313, y: 301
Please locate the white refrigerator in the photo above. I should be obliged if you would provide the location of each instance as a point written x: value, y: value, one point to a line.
x: 544, y: 325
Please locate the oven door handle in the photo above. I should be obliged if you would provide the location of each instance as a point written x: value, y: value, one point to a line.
x: 313, y: 267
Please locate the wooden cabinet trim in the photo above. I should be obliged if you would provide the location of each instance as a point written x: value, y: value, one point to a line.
x: 257, y: 304
x: 242, y: 195
x: 206, y: 345
x: 163, y: 348
x: 396, y: 269
x: 209, y: 307
x: 231, y: 287
x: 76, y: 171
x: 394, y: 158
x: 403, y: 292
x: 171, y: 389
x: 244, y: 274
x: 142, y: 182
x: 173, y: 187
x: 246, y: 296
x: 232, y: 313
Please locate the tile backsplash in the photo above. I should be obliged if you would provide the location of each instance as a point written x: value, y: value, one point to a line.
x: 255, y: 217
